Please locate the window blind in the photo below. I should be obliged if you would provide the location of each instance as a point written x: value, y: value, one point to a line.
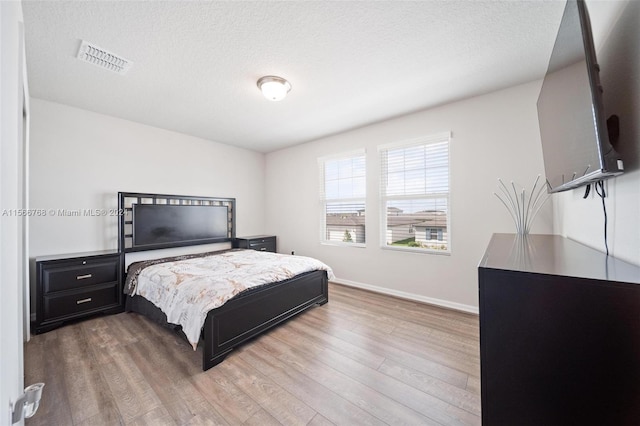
x: 415, y: 194
x: 343, y: 198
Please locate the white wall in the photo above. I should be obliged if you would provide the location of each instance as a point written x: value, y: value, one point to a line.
x: 583, y: 220
x: 493, y: 136
x: 80, y: 160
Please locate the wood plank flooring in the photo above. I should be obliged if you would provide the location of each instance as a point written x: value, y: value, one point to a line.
x: 363, y: 358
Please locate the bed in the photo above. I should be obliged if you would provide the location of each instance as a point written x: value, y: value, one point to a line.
x: 150, y: 222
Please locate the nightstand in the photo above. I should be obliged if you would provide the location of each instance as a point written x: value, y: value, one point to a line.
x: 73, y: 286
x: 256, y: 242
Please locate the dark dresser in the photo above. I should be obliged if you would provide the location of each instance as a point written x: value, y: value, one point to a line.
x: 256, y: 242
x: 559, y: 334
x: 76, y: 285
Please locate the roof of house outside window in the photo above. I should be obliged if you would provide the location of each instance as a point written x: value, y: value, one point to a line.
x: 436, y: 219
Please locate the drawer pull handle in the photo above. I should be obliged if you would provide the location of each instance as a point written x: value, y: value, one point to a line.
x: 263, y: 249
x: 79, y: 302
x: 82, y: 277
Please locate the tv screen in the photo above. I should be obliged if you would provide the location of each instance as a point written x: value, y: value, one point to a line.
x: 166, y: 224
x: 575, y: 142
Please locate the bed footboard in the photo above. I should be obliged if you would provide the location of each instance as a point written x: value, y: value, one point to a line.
x: 244, y: 317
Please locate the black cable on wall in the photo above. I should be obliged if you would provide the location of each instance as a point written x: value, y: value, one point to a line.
x: 599, y: 188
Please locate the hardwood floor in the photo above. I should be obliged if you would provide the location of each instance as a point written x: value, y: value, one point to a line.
x: 363, y: 358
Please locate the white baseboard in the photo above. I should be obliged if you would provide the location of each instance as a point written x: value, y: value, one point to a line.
x: 410, y: 296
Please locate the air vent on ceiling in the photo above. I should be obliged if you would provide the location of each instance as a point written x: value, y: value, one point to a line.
x: 104, y: 59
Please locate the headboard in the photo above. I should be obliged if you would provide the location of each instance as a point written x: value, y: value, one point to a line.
x: 158, y: 221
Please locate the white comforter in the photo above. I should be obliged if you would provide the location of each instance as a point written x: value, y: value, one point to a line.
x: 186, y: 290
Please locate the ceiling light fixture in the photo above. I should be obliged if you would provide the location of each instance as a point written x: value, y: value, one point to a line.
x: 274, y: 88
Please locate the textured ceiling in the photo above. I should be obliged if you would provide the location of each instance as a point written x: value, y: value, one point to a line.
x: 350, y: 63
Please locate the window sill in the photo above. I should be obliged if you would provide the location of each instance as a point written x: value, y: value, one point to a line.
x: 417, y: 250
x: 339, y: 244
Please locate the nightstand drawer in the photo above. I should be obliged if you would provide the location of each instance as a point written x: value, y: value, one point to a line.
x: 256, y: 242
x: 260, y: 245
x: 72, y: 286
x: 73, y: 276
x: 70, y: 303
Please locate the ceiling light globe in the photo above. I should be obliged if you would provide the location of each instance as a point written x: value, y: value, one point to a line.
x: 274, y: 88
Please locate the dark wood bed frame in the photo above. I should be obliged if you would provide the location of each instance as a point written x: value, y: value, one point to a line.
x: 246, y: 315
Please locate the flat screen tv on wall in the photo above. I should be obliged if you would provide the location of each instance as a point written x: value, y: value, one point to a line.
x: 573, y: 128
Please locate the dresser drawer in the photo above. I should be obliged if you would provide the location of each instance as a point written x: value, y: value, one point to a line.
x: 66, y: 277
x: 71, y: 303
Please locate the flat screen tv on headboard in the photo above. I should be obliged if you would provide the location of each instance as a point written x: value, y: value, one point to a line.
x: 573, y: 129
x: 166, y: 224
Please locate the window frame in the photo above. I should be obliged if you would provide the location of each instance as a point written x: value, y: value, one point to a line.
x: 384, y: 199
x: 323, y: 201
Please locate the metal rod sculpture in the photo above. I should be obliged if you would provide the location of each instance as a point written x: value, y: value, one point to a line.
x: 522, y: 207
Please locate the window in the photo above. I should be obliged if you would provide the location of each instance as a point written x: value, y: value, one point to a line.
x: 415, y: 194
x: 434, y: 234
x: 343, y: 198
